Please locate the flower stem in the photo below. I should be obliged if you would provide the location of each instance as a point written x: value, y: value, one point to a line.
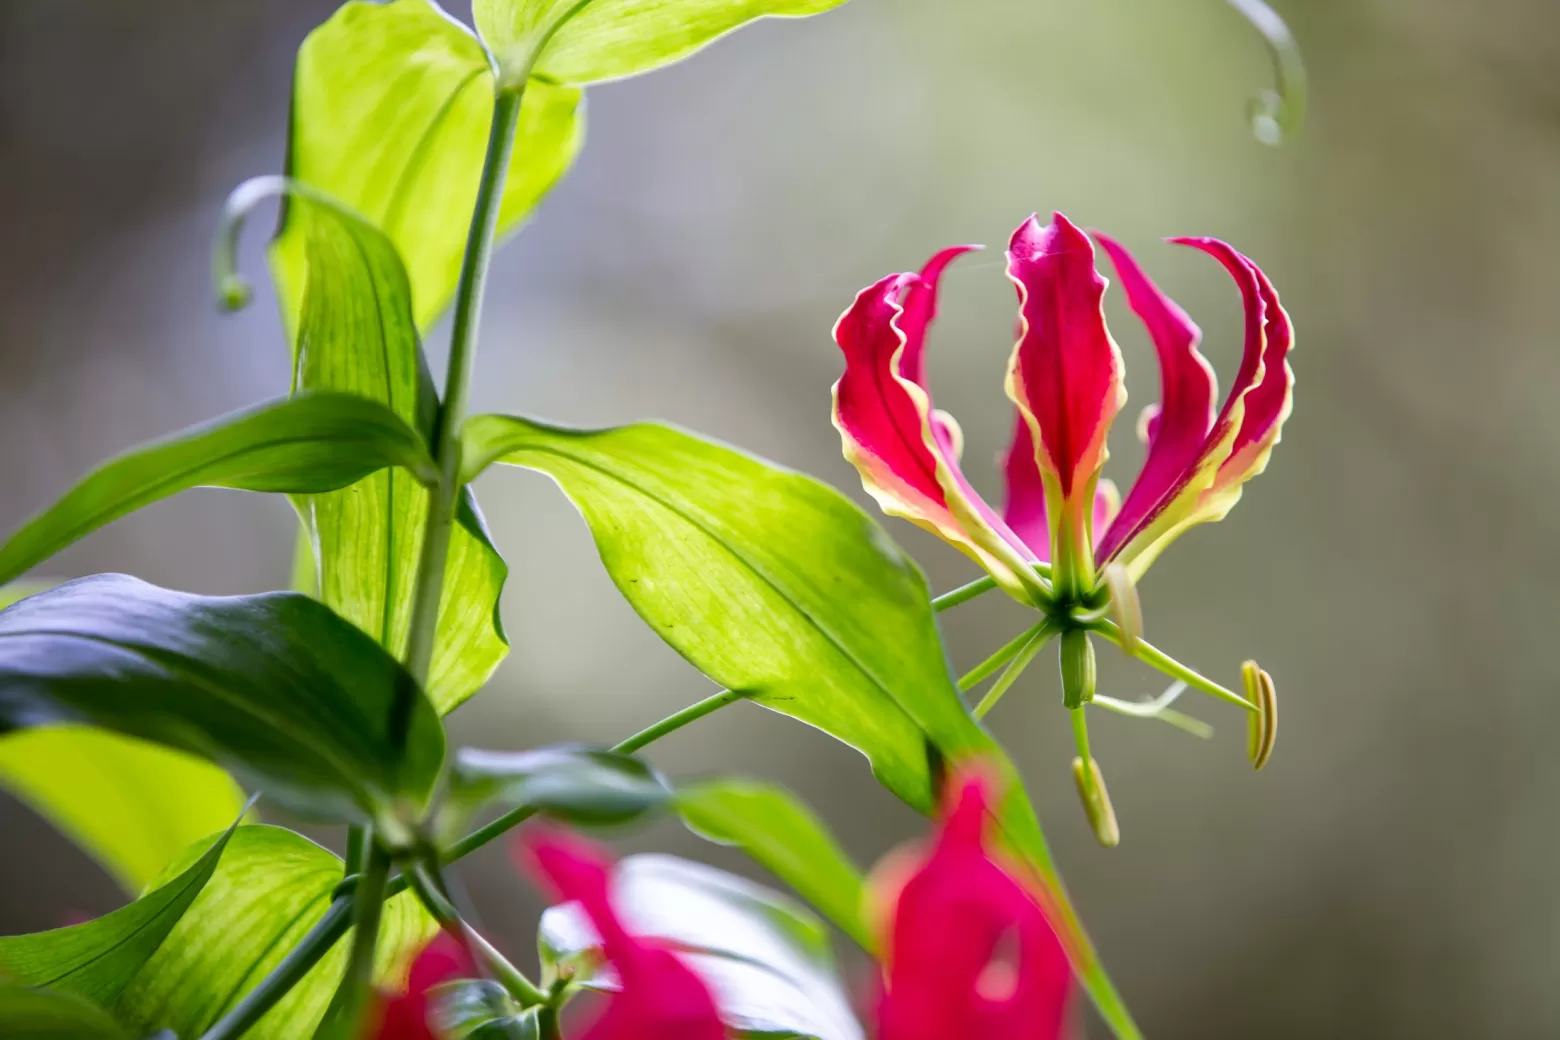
x: 463, y: 350
x: 1042, y: 635
x: 964, y: 593
x: 430, y: 891
x: 368, y: 903
x: 1157, y: 658
x: 650, y: 734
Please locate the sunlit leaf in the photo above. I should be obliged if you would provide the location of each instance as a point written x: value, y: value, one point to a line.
x: 30, y: 1014
x: 95, y: 960
x: 275, y: 688
x: 578, y: 784
x: 766, y: 959
x: 131, y: 805
x: 583, y: 42
x: 770, y: 825
x: 391, y: 108
x: 307, y: 443
x: 269, y: 890
x: 779, y: 587
x: 356, y: 335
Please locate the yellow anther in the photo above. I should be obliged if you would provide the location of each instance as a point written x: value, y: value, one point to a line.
x: 1262, y: 725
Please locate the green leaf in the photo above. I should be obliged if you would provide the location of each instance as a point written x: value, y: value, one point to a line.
x: 480, y: 1009
x: 767, y: 960
x: 30, y: 1014
x: 783, y: 835
x: 578, y: 784
x: 269, y: 890
x: 777, y: 586
x: 97, y: 959
x: 312, y: 442
x: 584, y: 41
x: 131, y: 805
x: 391, y: 108
x: 275, y: 688
x: 356, y: 335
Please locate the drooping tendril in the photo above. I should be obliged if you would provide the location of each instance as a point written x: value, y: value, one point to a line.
x: 232, y: 288
x: 1276, y: 115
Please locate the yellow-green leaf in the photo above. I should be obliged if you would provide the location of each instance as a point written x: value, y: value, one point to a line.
x: 269, y: 890
x: 391, y: 108
x: 131, y: 805
x: 585, y: 41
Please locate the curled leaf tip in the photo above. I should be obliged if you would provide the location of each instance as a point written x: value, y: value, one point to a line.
x: 1276, y: 115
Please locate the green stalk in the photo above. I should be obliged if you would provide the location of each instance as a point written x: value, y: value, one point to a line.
x: 368, y: 903
x: 443, y: 499
x: 463, y: 351
x: 1154, y: 657
x: 429, y: 889
x: 298, y: 963
x: 514, y: 817
x: 964, y: 593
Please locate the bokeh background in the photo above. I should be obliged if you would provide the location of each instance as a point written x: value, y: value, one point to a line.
x: 1391, y: 874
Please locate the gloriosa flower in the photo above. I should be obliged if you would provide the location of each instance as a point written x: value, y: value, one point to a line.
x: 947, y: 972
x: 1065, y: 377
x: 1065, y: 541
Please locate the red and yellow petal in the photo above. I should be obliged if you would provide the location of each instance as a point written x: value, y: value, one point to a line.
x: 1066, y: 378
x: 1185, y: 483
x: 906, y: 452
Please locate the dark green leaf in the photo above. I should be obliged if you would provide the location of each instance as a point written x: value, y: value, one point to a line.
x: 766, y: 959
x: 275, y: 688
x: 312, y: 442
x: 356, y: 335
x: 131, y: 805
x: 609, y: 39
x: 391, y: 108
x: 269, y: 890
x: 769, y: 824
x: 779, y: 587
x: 97, y: 959
x: 30, y: 1014
x: 579, y: 784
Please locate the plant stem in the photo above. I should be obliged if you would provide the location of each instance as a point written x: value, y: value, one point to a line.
x: 1157, y: 658
x: 298, y: 962
x: 516, y: 816
x: 1042, y: 635
x: 678, y: 721
x: 368, y: 903
x: 463, y: 349
x: 964, y: 593
x: 359, y: 838
x: 429, y: 889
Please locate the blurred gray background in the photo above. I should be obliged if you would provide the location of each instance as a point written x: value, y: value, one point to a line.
x: 1389, y: 875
